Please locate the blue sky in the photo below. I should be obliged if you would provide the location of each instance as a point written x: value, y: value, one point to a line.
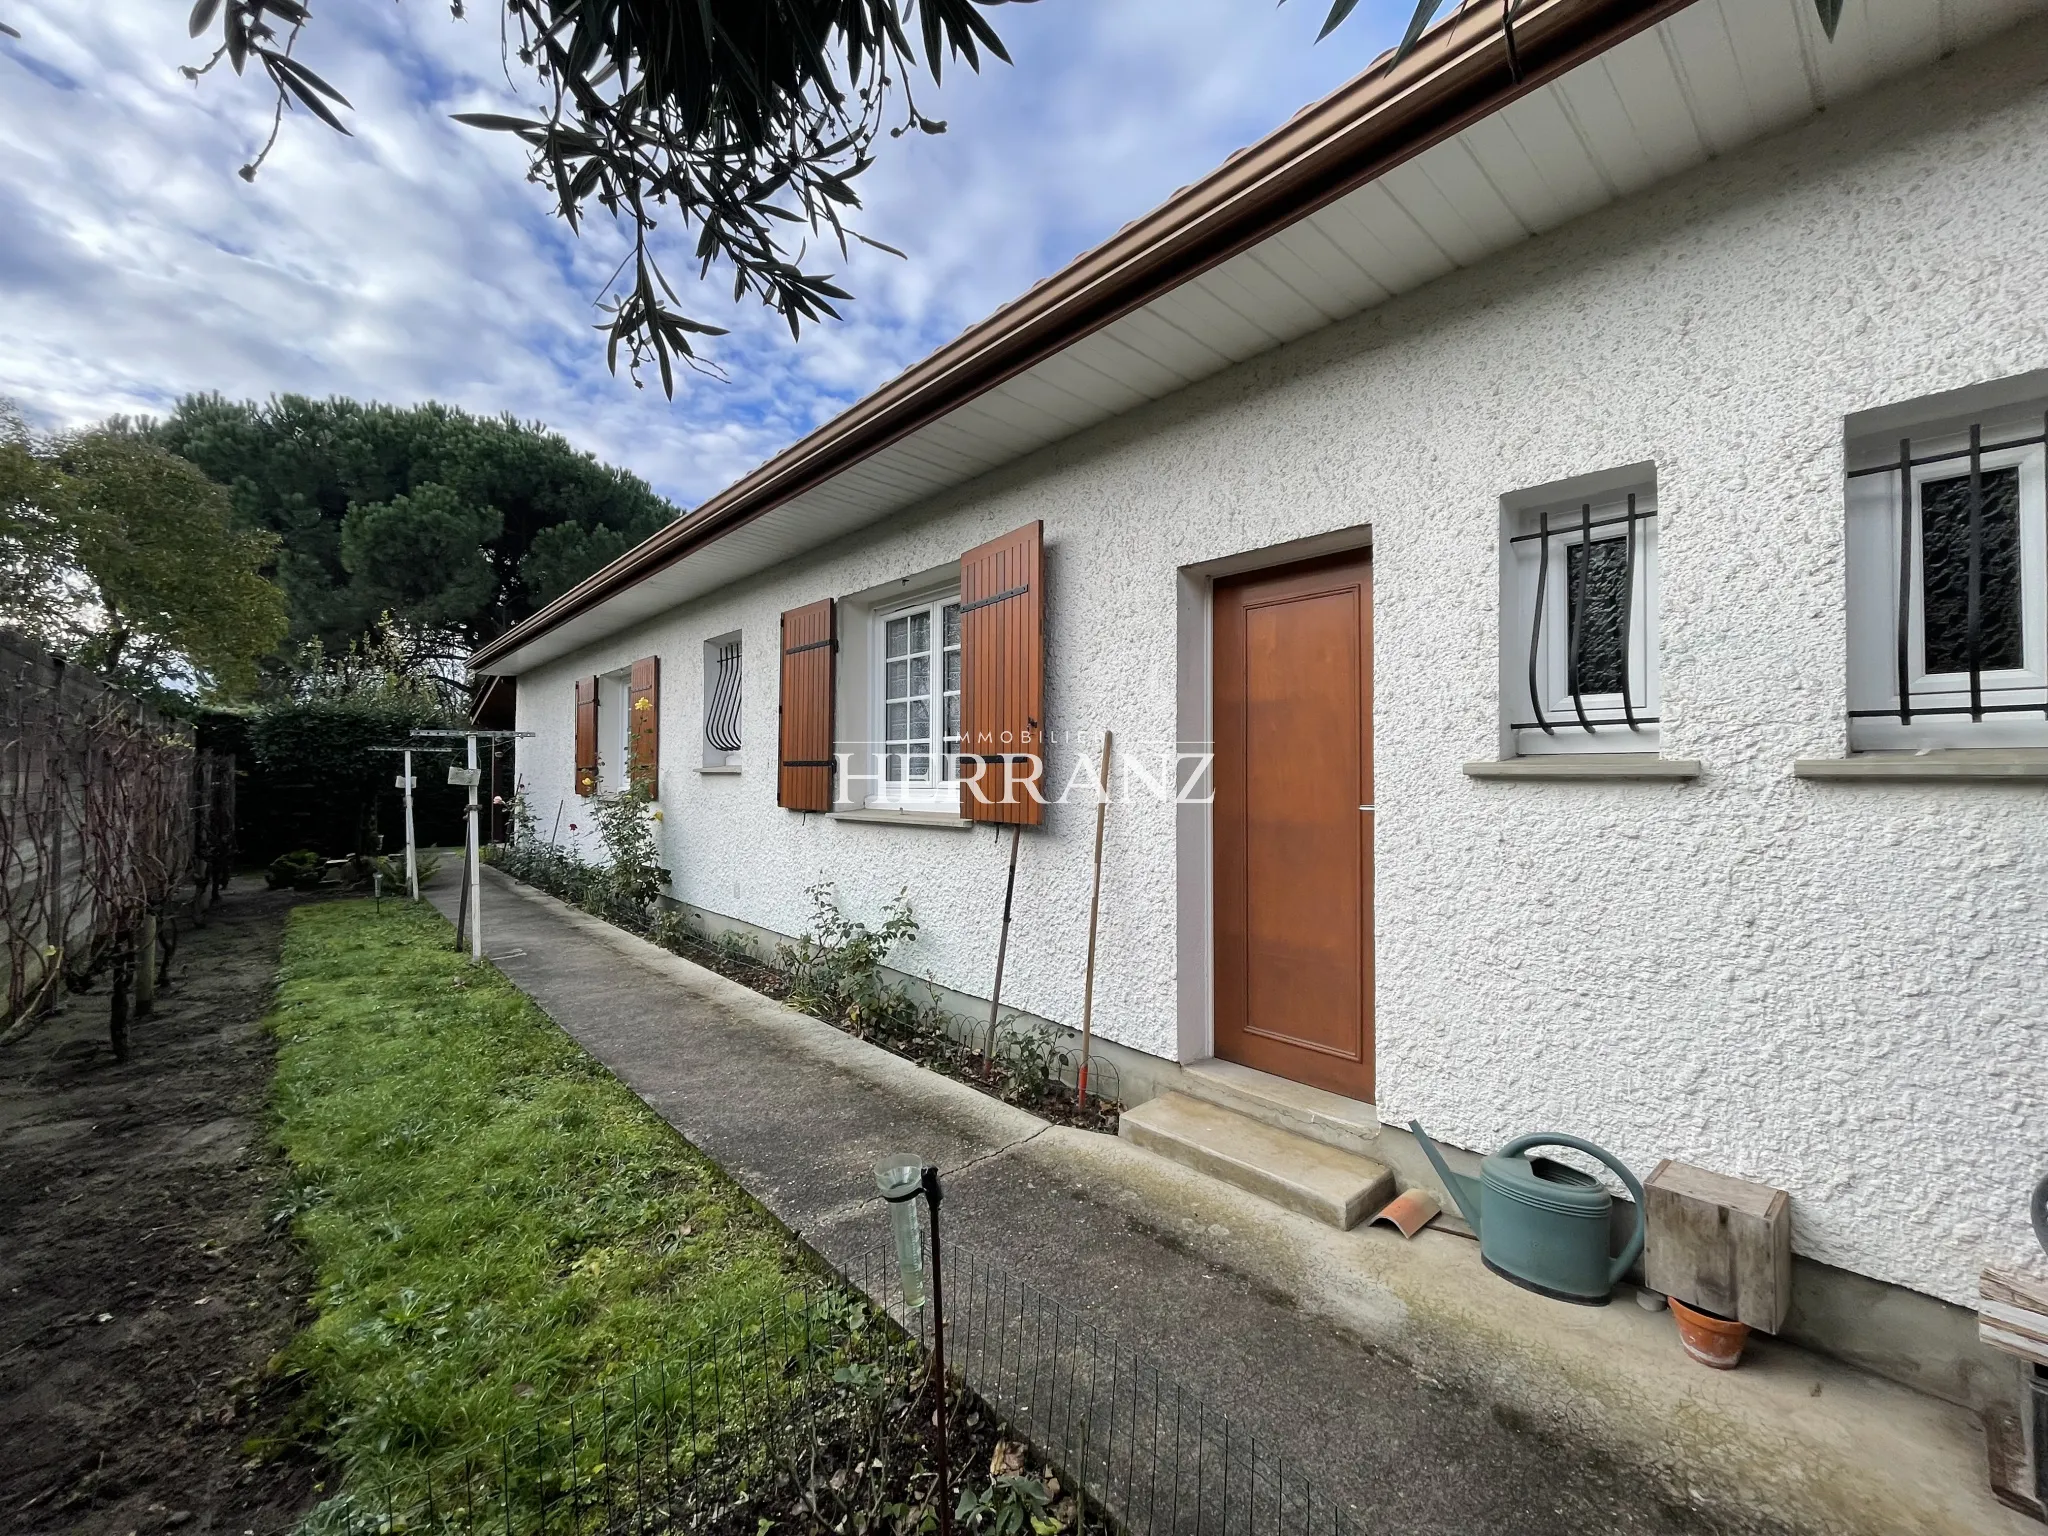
x: 414, y: 262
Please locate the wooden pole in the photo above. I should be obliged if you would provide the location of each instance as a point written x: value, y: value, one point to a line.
x: 412, y: 858
x: 462, y: 906
x: 117, y: 1012
x: 995, y: 1002
x: 476, y: 868
x: 1094, y: 912
x: 145, y: 966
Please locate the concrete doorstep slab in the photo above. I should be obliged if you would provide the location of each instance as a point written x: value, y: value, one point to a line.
x: 1336, y: 1187
x: 1320, y: 1116
x: 1415, y: 1391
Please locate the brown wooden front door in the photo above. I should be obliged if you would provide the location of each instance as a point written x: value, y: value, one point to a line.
x: 1293, y: 848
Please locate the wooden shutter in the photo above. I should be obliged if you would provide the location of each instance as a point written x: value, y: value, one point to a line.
x: 1002, y: 675
x: 586, y: 735
x: 808, y: 646
x: 643, y: 728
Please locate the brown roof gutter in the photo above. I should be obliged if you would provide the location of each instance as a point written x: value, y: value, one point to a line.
x: 1456, y: 76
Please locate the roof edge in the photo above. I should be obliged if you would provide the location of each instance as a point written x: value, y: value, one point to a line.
x: 1457, y: 75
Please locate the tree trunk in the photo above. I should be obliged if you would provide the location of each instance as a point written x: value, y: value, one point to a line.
x: 114, y: 638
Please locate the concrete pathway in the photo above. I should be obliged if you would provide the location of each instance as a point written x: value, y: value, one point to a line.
x: 1414, y: 1390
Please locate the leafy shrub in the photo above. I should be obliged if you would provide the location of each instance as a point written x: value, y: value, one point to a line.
x: 621, y: 890
x: 1014, y: 1503
x: 559, y: 871
x: 631, y: 878
x: 736, y: 948
x: 301, y: 869
x: 426, y: 864
x: 835, y: 970
x: 1035, y: 1058
x: 676, y: 930
x: 312, y: 778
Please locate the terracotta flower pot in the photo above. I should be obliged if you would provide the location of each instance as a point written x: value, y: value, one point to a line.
x: 1711, y: 1340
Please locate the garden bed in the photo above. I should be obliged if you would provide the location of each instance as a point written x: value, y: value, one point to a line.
x: 1043, y: 1092
x: 835, y: 973
x: 146, y: 1288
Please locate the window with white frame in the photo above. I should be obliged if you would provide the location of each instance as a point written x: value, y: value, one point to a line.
x: 1579, y: 631
x: 614, y: 730
x: 917, y: 703
x: 1948, y: 585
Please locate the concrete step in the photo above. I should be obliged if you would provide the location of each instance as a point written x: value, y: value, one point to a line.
x: 1305, y: 1176
x: 1335, y: 1121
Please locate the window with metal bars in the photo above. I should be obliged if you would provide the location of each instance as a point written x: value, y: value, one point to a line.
x: 722, y: 702
x: 1580, y: 624
x: 1948, y: 587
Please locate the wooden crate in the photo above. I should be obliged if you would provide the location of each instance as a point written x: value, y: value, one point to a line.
x: 1721, y: 1244
x: 2012, y: 1315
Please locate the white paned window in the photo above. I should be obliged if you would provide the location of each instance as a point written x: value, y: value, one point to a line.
x: 1948, y: 587
x: 918, y: 704
x: 614, y: 730
x: 1579, y: 632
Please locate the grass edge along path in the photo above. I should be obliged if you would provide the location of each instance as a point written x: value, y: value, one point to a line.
x: 496, y: 1223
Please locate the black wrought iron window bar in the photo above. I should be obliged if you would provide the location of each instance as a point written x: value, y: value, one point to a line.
x: 1984, y: 631
x: 1600, y: 619
x: 722, y: 714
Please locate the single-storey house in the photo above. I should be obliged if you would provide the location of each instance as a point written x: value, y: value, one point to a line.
x: 1559, y: 533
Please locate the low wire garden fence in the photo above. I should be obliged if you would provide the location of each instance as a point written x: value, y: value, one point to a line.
x: 818, y: 1414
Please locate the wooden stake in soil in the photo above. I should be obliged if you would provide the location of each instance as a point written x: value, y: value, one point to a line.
x: 462, y: 906
x: 1094, y: 911
x: 995, y: 1002
x: 145, y: 966
x: 117, y: 1001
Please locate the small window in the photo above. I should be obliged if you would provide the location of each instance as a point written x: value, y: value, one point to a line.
x: 918, y: 703
x: 1948, y: 587
x: 614, y: 727
x: 722, y: 701
x: 1579, y: 652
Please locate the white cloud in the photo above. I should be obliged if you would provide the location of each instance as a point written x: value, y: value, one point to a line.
x: 413, y: 261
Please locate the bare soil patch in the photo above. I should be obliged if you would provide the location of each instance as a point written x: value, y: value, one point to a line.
x: 143, y: 1288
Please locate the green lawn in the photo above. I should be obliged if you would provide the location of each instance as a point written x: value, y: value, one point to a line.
x: 496, y: 1223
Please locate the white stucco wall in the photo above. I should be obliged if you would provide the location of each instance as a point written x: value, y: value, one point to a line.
x: 1834, y: 989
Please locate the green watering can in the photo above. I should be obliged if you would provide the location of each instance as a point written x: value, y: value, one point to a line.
x: 1541, y: 1223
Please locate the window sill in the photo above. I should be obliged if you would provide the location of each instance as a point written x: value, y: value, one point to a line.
x: 1584, y: 766
x: 904, y: 818
x: 1952, y: 765
x: 729, y: 768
